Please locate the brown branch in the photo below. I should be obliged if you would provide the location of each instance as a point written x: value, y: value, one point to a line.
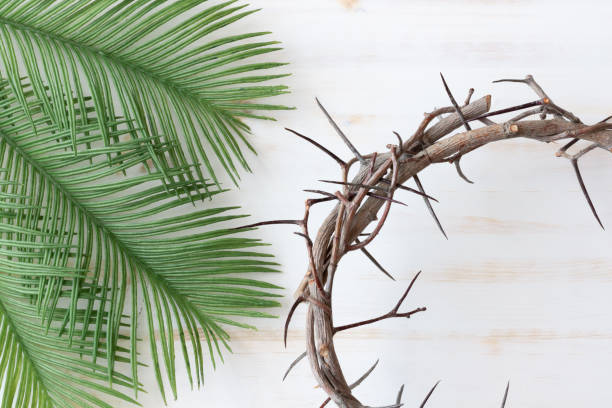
x: 390, y: 200
x: 529, y: 81
x: 393, y: 313
x: 360, y: 205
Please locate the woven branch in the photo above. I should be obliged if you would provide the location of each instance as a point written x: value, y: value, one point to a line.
x: 383, y: 173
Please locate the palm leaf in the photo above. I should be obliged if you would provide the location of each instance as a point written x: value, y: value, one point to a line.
x: 94, y: 247
x: 40, y: 368
x: 193, y: 81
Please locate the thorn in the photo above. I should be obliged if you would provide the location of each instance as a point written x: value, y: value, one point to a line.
x: 567, y: 146
x: 512, y: 109
x: 503, y: 404
x: 275, y: 222
x: 454, y: 102
x: 429, y: 207
x: 460, y: 172
x: 585, y: 192
x: 324, y: 149
x: 375, y: 262
x: 606, y: 119
x: 347, y: 183
x: 429, y: 394
x: 325, y: 193
x: 399, y: 303
x: 412, y: 190
x: 364, y: 376
x: 469, y: 97
x: 510, y: 80
x: 398, y: 399
x: 297, y: 360
x: 289, y: 315
x: 373, y: 187
x: 356, y: 383
x: 328, y: 196
x: 306, y: 237
x: 401, y: 142
x: 386, y: 199
x: 342, y: 135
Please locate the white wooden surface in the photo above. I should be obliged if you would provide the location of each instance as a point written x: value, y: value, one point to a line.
x: 520, y: 291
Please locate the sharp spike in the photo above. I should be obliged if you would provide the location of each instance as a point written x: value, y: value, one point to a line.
x: 503, y: 404
x: 398, y: 399
x: 429, y: 394
x: 585, y: 192
x: 460, y: 172
x: 320, y: 146
x: 386, y: 199
x: 412, y: 190
x: 429, y: 207
x: 455, y: 104
x: 375, y: 262
x: 297, y: 360
x: 274, y: 222
x: 510, y: 109
x: 341, y: 134
x: 364, y: 376
x: 399, y: 303
x: 289, y: 315
x: 399, y: 139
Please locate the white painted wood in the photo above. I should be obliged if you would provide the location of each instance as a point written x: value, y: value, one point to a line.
x: 538, y: 314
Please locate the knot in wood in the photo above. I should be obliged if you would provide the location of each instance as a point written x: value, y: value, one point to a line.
x: 510, y: 129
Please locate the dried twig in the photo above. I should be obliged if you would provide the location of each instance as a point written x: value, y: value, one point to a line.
x: 393, y: 313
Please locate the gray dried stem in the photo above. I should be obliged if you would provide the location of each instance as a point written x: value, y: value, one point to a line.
x: 384, y: 172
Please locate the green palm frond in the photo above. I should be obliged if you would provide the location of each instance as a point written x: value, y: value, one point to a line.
x: 39, y: 367
x: 193, y: 81
x: 81, y: 249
